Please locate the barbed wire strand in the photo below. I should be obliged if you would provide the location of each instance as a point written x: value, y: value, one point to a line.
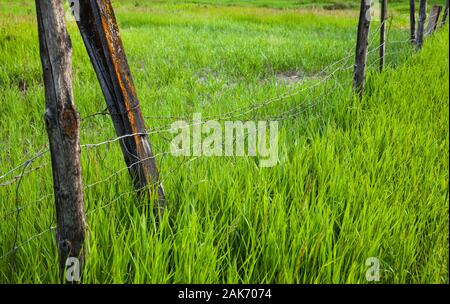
x: 40, y: 154
x: 157, y: 131
x: 349, y: 55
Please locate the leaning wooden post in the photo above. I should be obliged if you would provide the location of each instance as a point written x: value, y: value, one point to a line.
x: 100, y: 33
x: 433, y: 19
x: 383, y: 33
x: 62, y: 123
x: 412, y: 20
x: 444, y: 18
x: 361, y: 46
x: 421, y: 24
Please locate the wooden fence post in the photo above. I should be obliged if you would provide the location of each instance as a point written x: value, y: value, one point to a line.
x: 62, y: 123
x: 444, y: 18
x: 412, y: 20
x: 361, y: 46
x: 433, y: 19
x: 421, y: 24
x: 383, y: 33
x: 100, y: 33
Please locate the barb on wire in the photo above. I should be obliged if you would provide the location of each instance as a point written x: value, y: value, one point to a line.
x: 21, y: 245
x: 16, y: 232
x: 39, y: 154
x: 101, y: 113
x: 24, y: 206
x: 18, y: 177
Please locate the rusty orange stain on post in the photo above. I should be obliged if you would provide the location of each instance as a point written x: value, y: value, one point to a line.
x: 119, y: 74
x: 101, y: 36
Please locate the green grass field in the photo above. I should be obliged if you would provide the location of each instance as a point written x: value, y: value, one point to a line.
x: 356, y: 178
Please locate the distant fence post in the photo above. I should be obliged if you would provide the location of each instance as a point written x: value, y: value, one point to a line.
x: 100, y: 33
x: 412, y: 20
x: 361, y: 46
x: 421, y: 23
x: 444, y: 18
x: 383, y: 33
x: 62, y: 123
x: 433, y: 19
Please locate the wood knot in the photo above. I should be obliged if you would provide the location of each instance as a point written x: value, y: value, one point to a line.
x: 66, y: 245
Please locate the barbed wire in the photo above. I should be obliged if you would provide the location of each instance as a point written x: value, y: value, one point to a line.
x: 87, y: 187
x: 90, y: 212
x: 260, y: 105
x: 348, y: 55
x: 242, y: 111
x: 117, y: 198
x: 40, y: 153
x: 170, y: 129
x: 21, y: 245
x: 17, y: 177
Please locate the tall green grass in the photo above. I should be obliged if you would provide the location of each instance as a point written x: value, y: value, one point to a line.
x: 356, y: 178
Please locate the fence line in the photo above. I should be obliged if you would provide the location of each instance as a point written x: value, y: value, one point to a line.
x: 117, y: 198
x: 39, y: 154
x: 291, y: 112
x: 259, y: 106
x: 163, y: 130
x: 130, y: 166
x: 21, y: 245
x: 348, y: 55
x: 17, y: 177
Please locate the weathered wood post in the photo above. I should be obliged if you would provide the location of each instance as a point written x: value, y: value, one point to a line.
x: 100, y: 33
x: 412, y: 20
x: 383, y: 33
x: 421, y: 24
x: 361, y: 46
x: 445, y: 16
x: 433, y: 19
x: 62, y: 123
